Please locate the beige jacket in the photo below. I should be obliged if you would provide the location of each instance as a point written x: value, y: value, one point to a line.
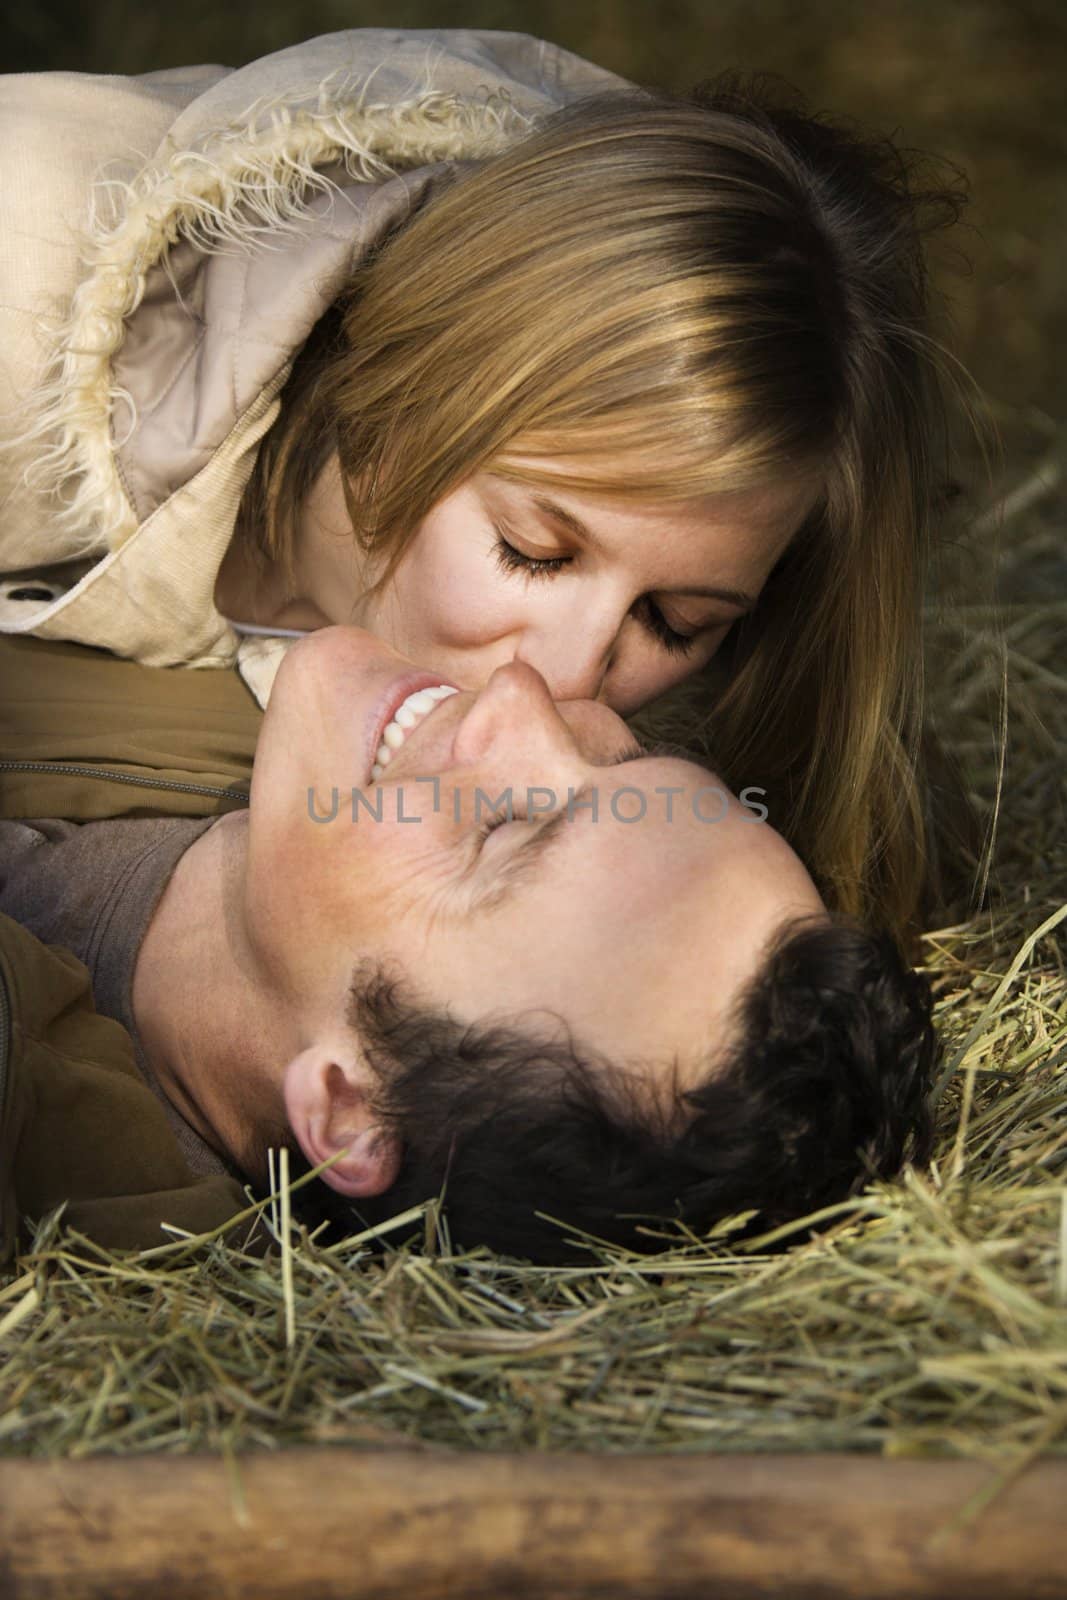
x: 166, y: 244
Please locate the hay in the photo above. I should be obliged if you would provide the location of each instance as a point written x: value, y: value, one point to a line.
x: 930, y: 1318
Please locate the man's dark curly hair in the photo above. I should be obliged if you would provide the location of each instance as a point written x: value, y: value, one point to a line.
x: 824, y: 1087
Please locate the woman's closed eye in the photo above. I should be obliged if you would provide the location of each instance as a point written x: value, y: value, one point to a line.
x: 649, y: 614
x: 511, y: 560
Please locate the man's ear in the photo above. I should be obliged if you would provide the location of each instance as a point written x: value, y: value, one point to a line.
x: 327, y: 1101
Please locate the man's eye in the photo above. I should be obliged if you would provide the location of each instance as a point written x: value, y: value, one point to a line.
x: 509, y: 559
x: 490, y: 825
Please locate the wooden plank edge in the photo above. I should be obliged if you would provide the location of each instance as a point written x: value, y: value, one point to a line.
x: 346, y: 1524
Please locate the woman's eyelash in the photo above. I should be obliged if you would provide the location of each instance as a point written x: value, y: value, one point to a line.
x: 512, y: 560
x: 676, y: 644
x: 509, y: 559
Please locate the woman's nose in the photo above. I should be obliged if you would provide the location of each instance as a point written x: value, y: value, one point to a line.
x: 573, y: 660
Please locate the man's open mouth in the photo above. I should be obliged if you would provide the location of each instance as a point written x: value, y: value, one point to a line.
x: 413, y: 709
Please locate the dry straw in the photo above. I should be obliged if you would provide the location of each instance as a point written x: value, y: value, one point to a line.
x: 929, y: 1318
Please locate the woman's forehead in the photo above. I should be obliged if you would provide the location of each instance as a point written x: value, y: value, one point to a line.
x: 786, y: 493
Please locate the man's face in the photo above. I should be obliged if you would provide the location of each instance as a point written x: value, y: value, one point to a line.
x: 636, y: 922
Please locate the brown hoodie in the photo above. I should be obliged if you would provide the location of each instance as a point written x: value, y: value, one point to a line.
x: 78, y: 1123
x: 86, y: 736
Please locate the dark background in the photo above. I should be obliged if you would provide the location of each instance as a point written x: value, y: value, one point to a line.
x: 982, y: 82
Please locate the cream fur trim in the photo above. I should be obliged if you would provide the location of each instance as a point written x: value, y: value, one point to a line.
x: 238, y: 184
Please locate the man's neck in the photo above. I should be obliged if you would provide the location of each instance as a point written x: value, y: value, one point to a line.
x: 200, y: 1011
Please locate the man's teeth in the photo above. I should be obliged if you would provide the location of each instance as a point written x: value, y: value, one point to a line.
x: 407, y: 715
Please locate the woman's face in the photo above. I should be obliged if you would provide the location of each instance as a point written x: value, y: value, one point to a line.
x: 608, y: 600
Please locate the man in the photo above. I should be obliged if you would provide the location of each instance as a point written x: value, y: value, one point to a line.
x: 626, y: 1002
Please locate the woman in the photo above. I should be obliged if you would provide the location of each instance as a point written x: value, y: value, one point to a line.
x: 628, y: 382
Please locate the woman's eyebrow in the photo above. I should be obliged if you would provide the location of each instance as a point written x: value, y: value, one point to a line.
x: 566, y: 519
x: 557, y: 513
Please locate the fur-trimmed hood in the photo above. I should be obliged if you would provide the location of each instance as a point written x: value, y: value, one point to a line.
x: 149, y: 346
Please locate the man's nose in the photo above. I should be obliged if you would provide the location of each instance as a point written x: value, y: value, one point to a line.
x: 514, y: 705
x: 514, y: 717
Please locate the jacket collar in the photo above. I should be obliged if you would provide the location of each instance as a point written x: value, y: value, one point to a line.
x: 237, y: 203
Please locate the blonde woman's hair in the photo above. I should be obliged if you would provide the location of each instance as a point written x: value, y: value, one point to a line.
x: 682, y: 295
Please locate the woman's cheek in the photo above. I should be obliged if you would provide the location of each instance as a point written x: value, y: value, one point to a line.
x: 447, y: 593
x: 647, y: 671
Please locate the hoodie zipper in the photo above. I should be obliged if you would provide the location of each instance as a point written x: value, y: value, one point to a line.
x: 122, y: 777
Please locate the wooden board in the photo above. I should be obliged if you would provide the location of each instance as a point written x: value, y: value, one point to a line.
x: 343, y: 1524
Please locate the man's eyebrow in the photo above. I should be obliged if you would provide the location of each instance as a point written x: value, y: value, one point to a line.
x: 636, y: 751
x: 564, y: 518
